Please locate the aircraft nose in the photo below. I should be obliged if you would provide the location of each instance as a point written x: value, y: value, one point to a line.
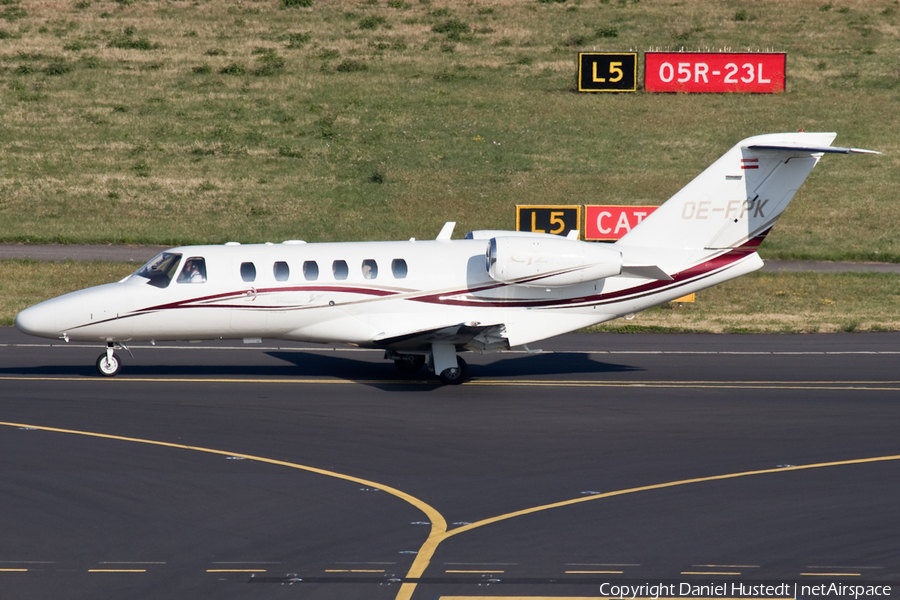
x: 40, y: 320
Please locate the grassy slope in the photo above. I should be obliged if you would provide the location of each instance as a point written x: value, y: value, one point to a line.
x: 130, y: 121
x: 358, y: 120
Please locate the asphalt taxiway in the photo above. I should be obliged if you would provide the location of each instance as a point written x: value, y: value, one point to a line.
x: 220, y: 470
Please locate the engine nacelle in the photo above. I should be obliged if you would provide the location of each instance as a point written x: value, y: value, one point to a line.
x: 550, y: 262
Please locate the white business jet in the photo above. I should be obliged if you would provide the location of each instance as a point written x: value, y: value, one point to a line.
x: 427, y: 301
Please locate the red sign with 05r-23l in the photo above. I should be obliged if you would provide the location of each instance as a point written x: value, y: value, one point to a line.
x: 714, y: 72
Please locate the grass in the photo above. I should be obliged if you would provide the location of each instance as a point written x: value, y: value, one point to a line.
x: 757, y: 303
x: 27, y: 282
x: 168, y: 122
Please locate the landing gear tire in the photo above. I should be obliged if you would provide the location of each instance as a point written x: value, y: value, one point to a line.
x: 455, y: 375
x: 410, y: 364
x: 108, y: 366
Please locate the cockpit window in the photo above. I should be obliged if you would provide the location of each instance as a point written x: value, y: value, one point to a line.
x: 193, y: 271
x: 161, y: 269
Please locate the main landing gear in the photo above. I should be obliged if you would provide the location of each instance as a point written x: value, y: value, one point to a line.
x: 409, y: 364
x: 450, y: 368
x: 108, y: 363
x: 455, y: 375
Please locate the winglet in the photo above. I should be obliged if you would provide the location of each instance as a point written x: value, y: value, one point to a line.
x: 446, y: 231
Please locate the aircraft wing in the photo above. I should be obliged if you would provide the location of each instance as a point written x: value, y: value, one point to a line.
x: 475, y: 337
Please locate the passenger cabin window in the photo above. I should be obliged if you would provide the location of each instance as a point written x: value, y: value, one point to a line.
x: 282, y: 271
x: 369, y: 269
x: 310, y: 270
x: 160, y: 270
x: 398, y: 268
x: 340, y: 270
x: 248, y: 271
x: 193, y: 271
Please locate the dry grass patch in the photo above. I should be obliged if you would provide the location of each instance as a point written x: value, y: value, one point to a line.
x: 201, y: 111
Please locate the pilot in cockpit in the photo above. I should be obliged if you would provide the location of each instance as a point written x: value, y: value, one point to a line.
x: 193, y: 271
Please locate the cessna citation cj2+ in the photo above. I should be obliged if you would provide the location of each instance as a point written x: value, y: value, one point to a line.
x: 427, y: 301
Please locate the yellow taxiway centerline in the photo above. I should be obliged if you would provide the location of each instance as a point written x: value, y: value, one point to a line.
x: 438, y: 524
x: 439, y: 531
x: 430, y: 546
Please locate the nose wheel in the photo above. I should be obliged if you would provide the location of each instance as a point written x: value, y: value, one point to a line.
x: 108, y: 364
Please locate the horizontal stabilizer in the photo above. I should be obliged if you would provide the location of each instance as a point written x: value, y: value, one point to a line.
x: 811, y: 149
x: 646, y: 271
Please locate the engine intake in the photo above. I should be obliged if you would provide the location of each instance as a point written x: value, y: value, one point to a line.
x: 550, y: 262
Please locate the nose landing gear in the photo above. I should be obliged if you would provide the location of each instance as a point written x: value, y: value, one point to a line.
x: 108, y: 363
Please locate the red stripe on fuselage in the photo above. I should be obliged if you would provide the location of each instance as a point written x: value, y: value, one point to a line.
x: 697, y: 272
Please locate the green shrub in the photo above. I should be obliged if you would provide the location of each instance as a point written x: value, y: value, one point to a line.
x: 13, y: 13
x: 373, y: 22
x: 270, y: 64
x: 89, y: 62
x: 452, y: 28
x: 127, y: 41
x: 351, y: 66
x: 233, y: 69
x: 58, y: 68
x: 296, y: 40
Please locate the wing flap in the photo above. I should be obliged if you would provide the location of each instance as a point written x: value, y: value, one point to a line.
x: 471, y: 336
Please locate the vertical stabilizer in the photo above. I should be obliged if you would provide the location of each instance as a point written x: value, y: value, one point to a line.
x: 739, y: 197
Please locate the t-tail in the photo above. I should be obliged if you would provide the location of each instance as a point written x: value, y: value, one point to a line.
x: 736, y: 201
